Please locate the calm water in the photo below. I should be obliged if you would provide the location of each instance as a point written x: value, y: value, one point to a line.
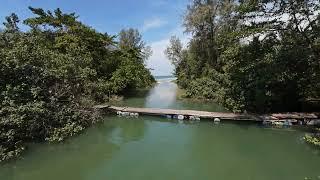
x: 150, y: 148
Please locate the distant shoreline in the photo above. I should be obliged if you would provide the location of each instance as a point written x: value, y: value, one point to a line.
x: 164, y: 77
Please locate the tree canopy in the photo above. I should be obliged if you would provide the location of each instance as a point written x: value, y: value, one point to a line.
x: 259, y: 56
x: 53, y: 73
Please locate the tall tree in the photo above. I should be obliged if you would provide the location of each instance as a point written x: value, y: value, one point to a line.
x: 11, y: 23
x: 132, y: 39
x: 255, y: 55
x: 174, y: 51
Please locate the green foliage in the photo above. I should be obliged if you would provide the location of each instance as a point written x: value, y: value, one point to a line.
x: 174, y: 51
x: 53, y: 73
x: 202, y: 86
x: 259, y: 56
x: 131, y: 39
x: 312, y: 140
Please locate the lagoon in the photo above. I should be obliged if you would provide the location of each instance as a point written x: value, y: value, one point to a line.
x: 158, y: 148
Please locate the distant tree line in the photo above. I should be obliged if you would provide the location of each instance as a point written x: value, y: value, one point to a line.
x: 253, y: 55
x: 55, y: 71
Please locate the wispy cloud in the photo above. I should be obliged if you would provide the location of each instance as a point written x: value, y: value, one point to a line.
x: 153, y: 23
x: 158, y: 61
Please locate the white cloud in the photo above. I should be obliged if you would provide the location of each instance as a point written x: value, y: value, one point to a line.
x: 158, y: 61
x: 153, y: 23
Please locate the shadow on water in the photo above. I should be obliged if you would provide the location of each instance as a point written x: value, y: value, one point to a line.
x: 139, y: 93
x: 77, y: 157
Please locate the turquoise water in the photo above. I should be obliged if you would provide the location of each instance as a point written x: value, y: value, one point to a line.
x: 148, y: 148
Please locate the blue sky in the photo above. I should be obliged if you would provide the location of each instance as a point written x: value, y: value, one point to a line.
x: 157, y: 20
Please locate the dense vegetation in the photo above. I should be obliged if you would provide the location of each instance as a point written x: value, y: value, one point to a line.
x: 253, y: 55
x: 313, y: 138
x: 53, y: 72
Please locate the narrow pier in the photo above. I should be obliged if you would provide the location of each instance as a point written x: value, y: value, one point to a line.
x: 294, y: 117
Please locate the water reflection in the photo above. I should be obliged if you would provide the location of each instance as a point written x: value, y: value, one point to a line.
x: 163, y: 95
x: 79, y: 157
x: 128, y: 129
x: 159, y: 148
x: 73, y: 159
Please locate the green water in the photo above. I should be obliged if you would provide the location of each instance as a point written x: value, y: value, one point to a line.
x: 150, y: 148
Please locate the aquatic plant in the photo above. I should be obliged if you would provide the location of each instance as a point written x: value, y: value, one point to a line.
x: 313, y: 138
